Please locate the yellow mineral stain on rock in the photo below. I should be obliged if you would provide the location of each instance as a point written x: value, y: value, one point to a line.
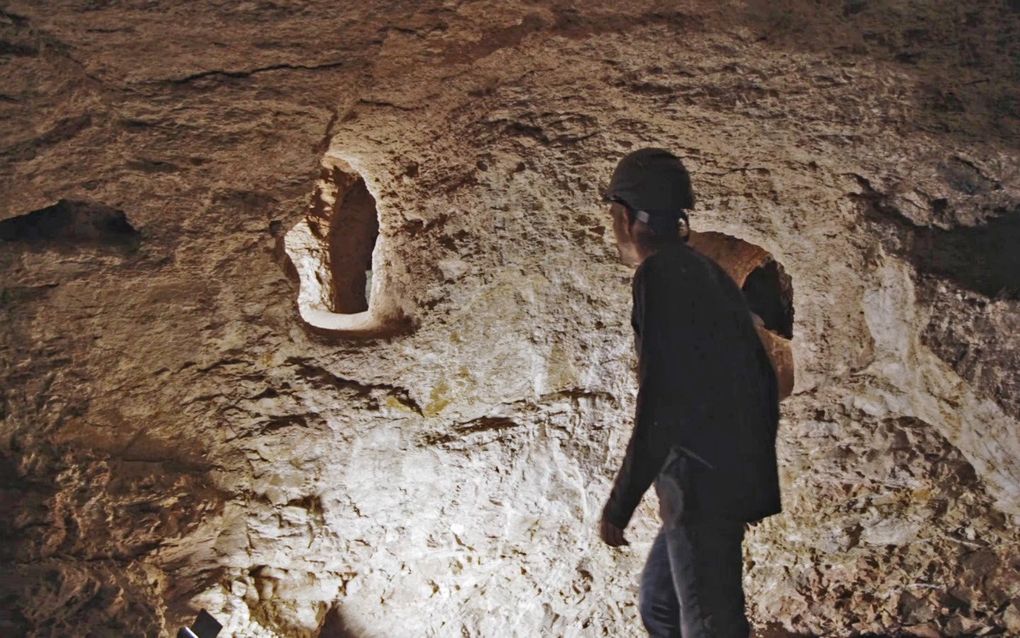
x: 398, y: 404
x: 439, y: 398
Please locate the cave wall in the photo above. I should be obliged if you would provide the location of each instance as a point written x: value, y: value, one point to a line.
x: 174, y: 436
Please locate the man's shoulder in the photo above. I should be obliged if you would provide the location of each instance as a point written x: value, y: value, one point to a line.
x: 683, y: 271
x: 680, y: 261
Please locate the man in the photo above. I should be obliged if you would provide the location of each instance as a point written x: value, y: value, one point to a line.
x: 707, y: 410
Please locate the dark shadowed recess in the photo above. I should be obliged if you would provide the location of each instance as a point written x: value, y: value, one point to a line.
x: 769, y: 293
x: 984, y: 258
x: 335, y: 626
x: 353, y: 233
x: 71, y: 222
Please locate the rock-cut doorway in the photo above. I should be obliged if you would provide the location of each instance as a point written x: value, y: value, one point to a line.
x: 335, y: 251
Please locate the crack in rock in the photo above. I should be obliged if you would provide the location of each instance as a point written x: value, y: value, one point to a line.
x: 245, y: 73
x: 323, y: 378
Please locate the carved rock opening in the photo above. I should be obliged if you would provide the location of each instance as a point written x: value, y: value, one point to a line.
x: 334, y: 250
x: 769, y: 293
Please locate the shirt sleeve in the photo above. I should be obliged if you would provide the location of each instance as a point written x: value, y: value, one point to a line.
x: 649, y: 442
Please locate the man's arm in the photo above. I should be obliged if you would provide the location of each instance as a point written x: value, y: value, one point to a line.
x: 649, y: 442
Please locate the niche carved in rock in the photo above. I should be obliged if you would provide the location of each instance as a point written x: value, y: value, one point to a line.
x: 336, y: 252
x: 769, y: 293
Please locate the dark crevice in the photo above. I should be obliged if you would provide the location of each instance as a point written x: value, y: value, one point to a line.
x: 579, y: 394
x: 769, y: 293
x: 334, y: 625
x: 71, y: 222
x: 485, y: 424
x: 389, y: 105
x: 321, y: 377
x: 475, y: 426
x: 250, y: 72
x: 984, y: 258
x: 353, y: 233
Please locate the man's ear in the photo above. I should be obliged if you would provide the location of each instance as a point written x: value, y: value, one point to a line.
x: 683, y: 229
x: 628, y: 217
x: 631, y: 218
x: 628, y: 222
x: 624, y: 215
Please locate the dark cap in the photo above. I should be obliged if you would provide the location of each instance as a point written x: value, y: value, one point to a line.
x: 652, y: 180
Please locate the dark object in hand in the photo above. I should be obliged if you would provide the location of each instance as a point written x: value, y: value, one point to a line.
x: 205, y: 627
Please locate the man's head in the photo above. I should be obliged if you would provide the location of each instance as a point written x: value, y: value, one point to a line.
x: 650, y: 193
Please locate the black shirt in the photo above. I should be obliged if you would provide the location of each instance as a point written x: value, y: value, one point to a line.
x: 706, y: 389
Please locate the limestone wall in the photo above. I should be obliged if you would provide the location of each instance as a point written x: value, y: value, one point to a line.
x: 174, y: 436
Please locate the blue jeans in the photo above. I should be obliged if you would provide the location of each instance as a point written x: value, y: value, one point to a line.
x: 691, y: 584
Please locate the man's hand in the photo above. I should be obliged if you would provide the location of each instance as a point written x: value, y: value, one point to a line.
x: 611, y: 534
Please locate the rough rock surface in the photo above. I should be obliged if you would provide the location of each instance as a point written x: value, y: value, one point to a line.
x: 173, y: 436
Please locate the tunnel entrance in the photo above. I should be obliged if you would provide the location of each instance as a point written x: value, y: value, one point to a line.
x: 768, y: 290
x: 332, y: 250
